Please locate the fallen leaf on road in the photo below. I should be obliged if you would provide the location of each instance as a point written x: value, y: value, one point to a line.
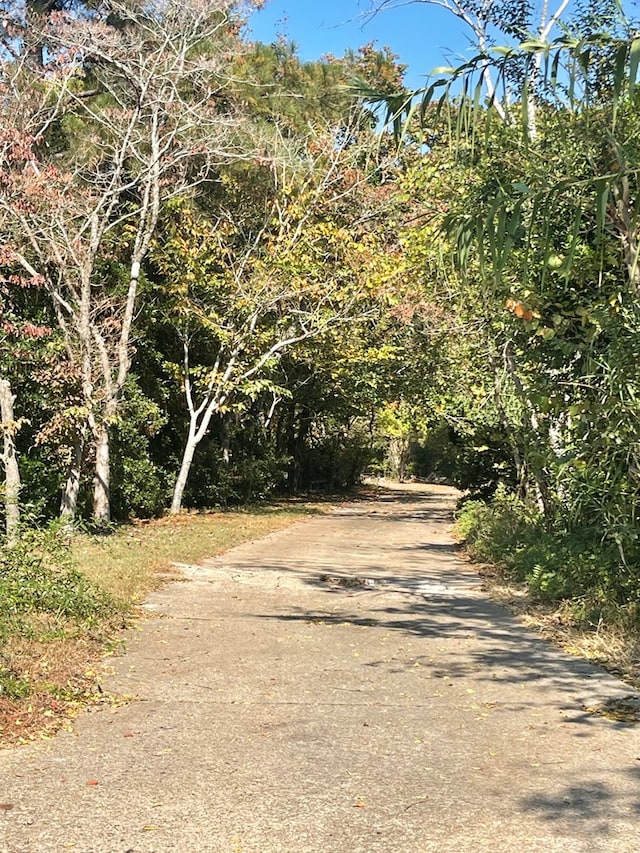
x: 93, y: 782
x: 6, y: 807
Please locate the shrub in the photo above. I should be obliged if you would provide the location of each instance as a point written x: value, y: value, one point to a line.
x: 36, y: 576
x: 41, y: 596
x: 555, y: 562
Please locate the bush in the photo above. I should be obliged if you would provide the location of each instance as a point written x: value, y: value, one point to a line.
x: 41, y: 596
x: 140, y: 488
x: 337, y: 463
x: 555, y: 562
x: 37, y: 577
x: 139, y: 485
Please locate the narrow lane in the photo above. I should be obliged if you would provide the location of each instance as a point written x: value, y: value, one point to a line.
x: 342, y: 686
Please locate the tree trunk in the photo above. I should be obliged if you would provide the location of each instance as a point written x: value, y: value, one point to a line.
x: 297, y: 447
x: 623, y: 217
x: 10, y: 460
x: 183, y: 476
x: 399, y: 447
x: 196, y: 433
x: 71, y: 488
x: 225, y: 440
x: 101, y: 495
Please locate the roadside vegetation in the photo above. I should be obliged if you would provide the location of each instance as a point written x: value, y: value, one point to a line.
x: 564, y: 584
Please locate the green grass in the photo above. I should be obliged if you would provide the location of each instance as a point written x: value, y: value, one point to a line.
x: 131, y: 561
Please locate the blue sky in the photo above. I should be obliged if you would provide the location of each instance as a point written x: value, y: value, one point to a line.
x: 424, y: 36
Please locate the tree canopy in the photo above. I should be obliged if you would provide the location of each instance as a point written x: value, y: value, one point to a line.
x: 221, y: 276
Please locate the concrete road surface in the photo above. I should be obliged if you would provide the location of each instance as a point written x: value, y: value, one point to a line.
x: 343, y: 686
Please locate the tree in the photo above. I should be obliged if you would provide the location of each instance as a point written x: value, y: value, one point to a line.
x: 10, y: 462
x: 130, y: 109
x: 513, y: 21
x: 19, y: 339
x: 543, y: 233
x: 247, y: 292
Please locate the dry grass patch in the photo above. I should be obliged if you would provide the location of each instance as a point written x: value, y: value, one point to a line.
x: 56, y: 679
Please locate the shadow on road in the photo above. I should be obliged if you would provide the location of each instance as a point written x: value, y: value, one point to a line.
x: 483, y: 643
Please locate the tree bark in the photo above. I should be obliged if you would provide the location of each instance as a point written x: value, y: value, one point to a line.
x: 623, y: 217
x: 101, y: 492
x: 183, y: 476
x: 10, y: 461
x: 225, y: 440
x: 399, y: 446
x: 297, y: 447
x: 71, y: 488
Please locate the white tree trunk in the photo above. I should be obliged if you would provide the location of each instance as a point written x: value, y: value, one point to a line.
x: 101, y: 494
x: 10, y: 461
x: 197, y: 432
x: 183, y: 476
x: 71, y: 488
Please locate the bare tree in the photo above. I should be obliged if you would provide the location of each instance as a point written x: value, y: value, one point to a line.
x: 138, y: 93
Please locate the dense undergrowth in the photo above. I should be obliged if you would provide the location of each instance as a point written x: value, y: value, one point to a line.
x: 43, y: 598
x: 575, y: 567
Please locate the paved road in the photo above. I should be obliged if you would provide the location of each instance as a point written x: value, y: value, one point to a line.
x: 342, y: 686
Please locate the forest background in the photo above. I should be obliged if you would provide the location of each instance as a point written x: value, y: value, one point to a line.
x: 225, y: 276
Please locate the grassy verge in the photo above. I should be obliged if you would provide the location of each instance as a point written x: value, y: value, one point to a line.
x: 567, y: 585
x: 137, y: 557
x: 63, y: 602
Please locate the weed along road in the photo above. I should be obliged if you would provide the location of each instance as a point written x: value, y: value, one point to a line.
x: 341, y: 686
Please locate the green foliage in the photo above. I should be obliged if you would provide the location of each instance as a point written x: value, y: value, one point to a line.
x: 40, y: 486
x: 42, y: 595
x: 538, y: 263
x: 290, y: 94
x: 556, y: 562
x: 255, y: 471
x: 140, y: 484
x: 336, y: 457
x: 12, y: 686
x: 37, y: 577
x: 480, y: 460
